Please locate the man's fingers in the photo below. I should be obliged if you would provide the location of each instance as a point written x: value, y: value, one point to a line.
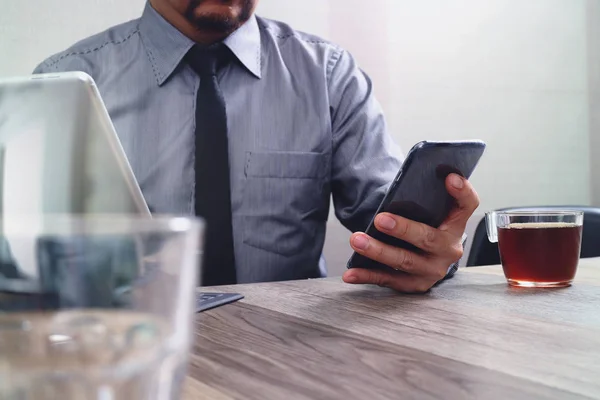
x: 423, y: 236
x: 395, y: 280
x: 467, y: 202
x: 394, y: 257
x: 411, y: 272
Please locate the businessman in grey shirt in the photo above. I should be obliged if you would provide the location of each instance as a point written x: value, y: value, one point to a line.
x: 301, y: 124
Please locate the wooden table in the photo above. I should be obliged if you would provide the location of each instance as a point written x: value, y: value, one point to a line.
x: 472, y: 337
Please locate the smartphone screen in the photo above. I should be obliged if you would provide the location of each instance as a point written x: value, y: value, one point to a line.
x: 419, y: 192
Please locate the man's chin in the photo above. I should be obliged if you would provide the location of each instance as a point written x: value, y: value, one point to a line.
x: 218, y: 16
x: 216, y: 23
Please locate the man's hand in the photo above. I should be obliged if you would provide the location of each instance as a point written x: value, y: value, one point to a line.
x: 411, y: 272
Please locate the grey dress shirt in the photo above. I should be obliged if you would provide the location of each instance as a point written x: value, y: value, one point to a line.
x: 303, y: 126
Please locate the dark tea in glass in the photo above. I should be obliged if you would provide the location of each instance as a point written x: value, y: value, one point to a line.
x: 537, y: 248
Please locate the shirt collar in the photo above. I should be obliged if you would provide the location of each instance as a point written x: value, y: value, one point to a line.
x: 245, y: 44
x: 167, y: 46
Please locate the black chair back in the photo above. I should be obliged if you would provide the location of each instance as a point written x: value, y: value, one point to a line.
x: 485, y: 253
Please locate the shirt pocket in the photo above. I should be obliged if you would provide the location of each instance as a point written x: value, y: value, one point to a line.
x: 285, y: 199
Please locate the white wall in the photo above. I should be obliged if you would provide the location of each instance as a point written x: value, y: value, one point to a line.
x: 514, y: 73
x: 593, y: 34
x: 32, y: 30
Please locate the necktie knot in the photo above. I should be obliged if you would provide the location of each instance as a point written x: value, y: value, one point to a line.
x: 206, y: 61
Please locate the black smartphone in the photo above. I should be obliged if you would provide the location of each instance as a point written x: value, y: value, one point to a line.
x: 419, y: 191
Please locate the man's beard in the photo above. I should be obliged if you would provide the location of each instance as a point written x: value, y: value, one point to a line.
x: 217, y: 23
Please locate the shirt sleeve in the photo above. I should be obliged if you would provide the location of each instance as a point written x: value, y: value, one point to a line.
x: 64, y: 63
x: 365, y: 158
x: 47, y: 66
x: 41, y: 69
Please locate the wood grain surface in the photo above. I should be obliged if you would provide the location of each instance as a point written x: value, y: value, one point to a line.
x: 472, y: 337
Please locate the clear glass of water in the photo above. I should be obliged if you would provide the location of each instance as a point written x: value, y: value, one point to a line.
x: 97, y: 307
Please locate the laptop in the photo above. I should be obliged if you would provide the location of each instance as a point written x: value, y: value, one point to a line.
x: 59, y: 152
x: 59, y: 155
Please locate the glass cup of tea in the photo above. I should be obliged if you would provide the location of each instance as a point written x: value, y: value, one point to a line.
x: 95, y: 307
x: 538, y: 248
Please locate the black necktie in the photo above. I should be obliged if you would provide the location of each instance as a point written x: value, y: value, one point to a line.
x: 213, y: 192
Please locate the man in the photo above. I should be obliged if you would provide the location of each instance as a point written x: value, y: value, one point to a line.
x: 215, y: 106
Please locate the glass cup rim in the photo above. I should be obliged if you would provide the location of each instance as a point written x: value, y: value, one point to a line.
x: 541, y: 212
x: 67, y: 224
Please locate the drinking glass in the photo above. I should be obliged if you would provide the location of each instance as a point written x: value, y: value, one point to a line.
x: 97, y: 307
x: 538, y: 248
